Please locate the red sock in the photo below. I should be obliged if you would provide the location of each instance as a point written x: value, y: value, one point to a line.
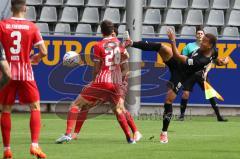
x: 124, y: 125
x: 131, y: 122
x: 6, y: 128
x: 71, y: 120
x: 35, y: 125
x: 82, y: 116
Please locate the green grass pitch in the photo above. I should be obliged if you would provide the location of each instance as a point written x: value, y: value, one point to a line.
x: 102, y: 138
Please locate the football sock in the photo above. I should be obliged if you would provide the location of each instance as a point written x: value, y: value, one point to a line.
x: 71, y: 119
x: 82, y: 116
x: 167, y: 116
x: 131, y: 122
x: 35, y: 125
x: 6, y: 128
x: 147, y: 46
x: 215, y: 108
x: 183, y: 106
x: 124, y: 125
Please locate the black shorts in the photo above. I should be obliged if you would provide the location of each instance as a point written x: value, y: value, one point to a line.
x: 191, y: 81
x: 177, y: 76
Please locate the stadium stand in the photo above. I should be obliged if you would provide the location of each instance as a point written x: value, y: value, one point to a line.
x: 31, y: 13
x: 217, y: 16
x: 62, y: 29
x: 212, y: 30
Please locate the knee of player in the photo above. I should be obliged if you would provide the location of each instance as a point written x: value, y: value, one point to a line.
x: 6, y: 108
x: 117, y: 110
x: 35, y: 106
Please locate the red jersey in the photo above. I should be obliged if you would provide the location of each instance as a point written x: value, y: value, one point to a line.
x: 18, y: 36
x: 109, y: 53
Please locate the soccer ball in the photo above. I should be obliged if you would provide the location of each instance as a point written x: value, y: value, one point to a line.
x: 71, y: 59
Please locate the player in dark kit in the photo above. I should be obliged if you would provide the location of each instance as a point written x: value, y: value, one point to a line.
x: 200, y: 77
x: 182, y: 68
x: 4, y: 69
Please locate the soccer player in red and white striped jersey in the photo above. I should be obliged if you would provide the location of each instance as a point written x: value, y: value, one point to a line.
x: 82, y: 115
x: 18, y: 36
x: 106, y: 86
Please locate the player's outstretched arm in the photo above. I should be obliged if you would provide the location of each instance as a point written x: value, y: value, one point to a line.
x: 222, y: 61
x: 96, y: 68
x: 6, y: 74
x: 176, y: 54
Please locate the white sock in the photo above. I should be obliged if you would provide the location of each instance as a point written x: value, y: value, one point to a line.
x: 164, y: 132
x: 7, y: 148
x: 35, y: 144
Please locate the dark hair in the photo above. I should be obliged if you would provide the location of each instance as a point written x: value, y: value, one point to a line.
x: 107, y: 27
x: 199, y: 28
x: 212, y: 39
x: 116, y: 31
x: 17, y: 5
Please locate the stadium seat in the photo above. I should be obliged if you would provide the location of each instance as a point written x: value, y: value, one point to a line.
x: 96, y: 3
x: 90, y: 15
x: 212, y: 30
x: 216, y: 18
x: 62, y: 29
x: 174, y: 17
x: 230, y: 32
x: 84, y: 30
x: 188, y: 31
x: 148, y: 31
x: 152, y: 16
x: 220, y: 4
x: 54, y: 2
x: 179, y: 4
x: 117, y: 3
x: 234, y: 18
x: 200, y: 4
x: 121, y: 29
x: 158, y: 3
x: 44, y: 28
x: 194, y: 17
x: 112, y: 14
x: 48, y: 14
x: 34, y: 2
x: 75, y: 3
x: 163, y: 30
x: 69, y: 15
x: 236, y: 4
x: 31, y: 13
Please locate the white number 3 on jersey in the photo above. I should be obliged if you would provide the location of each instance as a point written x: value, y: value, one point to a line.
x: 17, y: 42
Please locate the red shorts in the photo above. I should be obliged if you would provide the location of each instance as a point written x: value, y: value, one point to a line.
x: 26, y: 91
x: 105, y: 92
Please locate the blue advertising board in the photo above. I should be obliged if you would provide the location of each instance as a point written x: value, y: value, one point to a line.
x: 57, y: 82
